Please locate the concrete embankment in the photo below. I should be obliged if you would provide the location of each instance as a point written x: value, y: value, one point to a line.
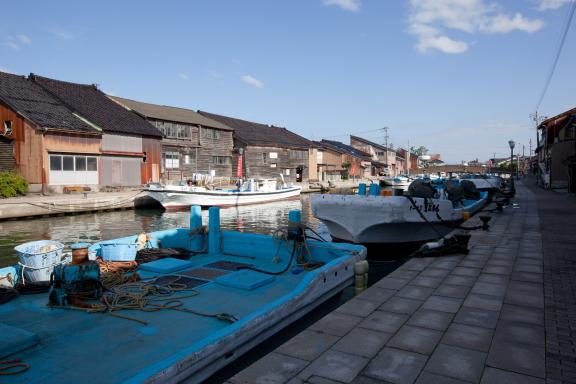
x: 39, y: 205
x: 476, y: 318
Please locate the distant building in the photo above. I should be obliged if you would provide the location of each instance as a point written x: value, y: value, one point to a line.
x: 351, y: 163
x: 192, y: 145
x: 130, y: 148
x: 45, y: 142
x: 386, y: 161
x: 268, y: 151
x: 557, y: 151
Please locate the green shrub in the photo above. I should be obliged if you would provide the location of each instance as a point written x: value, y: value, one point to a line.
x: 12, y: 184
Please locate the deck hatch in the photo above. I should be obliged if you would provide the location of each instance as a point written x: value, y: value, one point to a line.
x: 208, y: 274
x: 188, y: 282
x: 228, y: 265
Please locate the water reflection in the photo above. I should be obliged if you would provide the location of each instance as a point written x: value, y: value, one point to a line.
x: 262, y: 218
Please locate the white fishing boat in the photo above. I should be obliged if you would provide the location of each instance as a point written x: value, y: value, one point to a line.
x: 252, y: 191
x: 392, y: 219
x: 398, y: 181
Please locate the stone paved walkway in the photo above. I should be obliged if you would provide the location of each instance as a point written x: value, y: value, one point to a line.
x: 477, y: 318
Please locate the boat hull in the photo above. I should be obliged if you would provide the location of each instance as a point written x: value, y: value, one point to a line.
x: 178, y: 200
x: 388, y: 220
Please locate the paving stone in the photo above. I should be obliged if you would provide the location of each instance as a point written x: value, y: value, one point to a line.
x: 395, y: 366
x: 469, y: 337
x: 415, y: 292
x: 415, y: 339
x: 428, y: 318
x: 477, y: 317
x: 519, y: 358
x: 520, y: 333
x: 425, y: 281
x: 528, y: 268
x: 524, y: 299
x: 391, y: 283
x: 362, y: 342
x: 527, y: 276
x: 321, y: 380
x: 272, y: 368
x: 417, y: 264
x: 493, y: 279
x: 526, y: 287
x: 358, y: 307
x: 441, y: 303
x: 472, y: 264
x: 307, y: 345
x: 493, y: 375
x: 497, y: 270
x: 460, y: 280
x: 448, y: 290
x: 376, y: 295
x: 365, y: 380
x: 435, y: 272
x: 401, y: 305
x: 335, y: 323
x: 431, y: 378
x: 384, y: 321
x: 335, y: 365
x: 465, y: 271
x: 500, y: 263
x: 401, y: 273
x: 476, y: 300
x: 522, y: 314
x: 458, y: 363
x: 489, y: 289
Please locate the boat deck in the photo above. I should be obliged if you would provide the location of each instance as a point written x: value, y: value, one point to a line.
x: 75, y: 346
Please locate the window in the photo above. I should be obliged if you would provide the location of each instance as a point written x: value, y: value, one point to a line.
x: 273, y: 165
x: 287, y: 172
x: 273, y: 155
x: 67, y: 163
x: 183, y: 131
x: 221, y: 160
x: 80, y: 163
x: 91, y: 163
x: 264, y: 157
x: 172, y: 160
x: 55, y: 163
x: 381, y: 153
x: 301, y: 155
x: 209, y: 133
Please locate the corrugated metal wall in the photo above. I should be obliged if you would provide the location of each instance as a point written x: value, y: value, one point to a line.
x: 116, y: 171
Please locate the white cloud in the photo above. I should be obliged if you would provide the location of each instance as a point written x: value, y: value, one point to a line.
x: 24, y: 39
x: 252, y: 81
x: 431, y: 20
x: 11, y: 44
x: 347, y: 5
x: 551, y: 4
x: 62, y: 33
x: 183, y: 76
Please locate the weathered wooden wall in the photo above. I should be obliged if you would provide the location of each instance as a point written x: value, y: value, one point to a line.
x: 150, y: 170
x: 255, y: 166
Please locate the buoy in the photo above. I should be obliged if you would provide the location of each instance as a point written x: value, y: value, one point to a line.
x: 366, y: 268
x: 360, y: 273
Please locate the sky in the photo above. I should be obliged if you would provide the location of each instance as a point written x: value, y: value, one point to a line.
x: 460, y: 77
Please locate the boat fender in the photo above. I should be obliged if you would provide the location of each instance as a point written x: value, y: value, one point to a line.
x: 360, y: 276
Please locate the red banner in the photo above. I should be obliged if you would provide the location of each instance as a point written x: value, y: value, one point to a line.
x: 239, y: 169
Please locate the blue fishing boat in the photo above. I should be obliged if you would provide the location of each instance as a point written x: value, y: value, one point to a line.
x: 193, y: 300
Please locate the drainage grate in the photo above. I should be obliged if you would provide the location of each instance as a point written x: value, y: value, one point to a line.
x: 188, y: 282
x: 205, y: 273
x: 228, y: 265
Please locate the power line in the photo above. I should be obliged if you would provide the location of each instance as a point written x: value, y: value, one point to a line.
x: 353, y: 133
x: 567, y: 23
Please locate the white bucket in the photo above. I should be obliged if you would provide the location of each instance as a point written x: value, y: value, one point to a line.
x: 38, y: 259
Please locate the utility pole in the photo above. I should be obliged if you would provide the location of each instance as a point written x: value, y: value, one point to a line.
x: 530, y: 151
x: 386, y: 146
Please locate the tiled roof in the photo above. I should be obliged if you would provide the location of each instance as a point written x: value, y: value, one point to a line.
x: 345, y: 148
x: 368, y: 142
x: 174, y: 114
x: 261, y: 134
x: 36, y: 105
x: 95, y: 106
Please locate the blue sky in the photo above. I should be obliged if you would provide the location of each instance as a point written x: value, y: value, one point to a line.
x: 457, y: 76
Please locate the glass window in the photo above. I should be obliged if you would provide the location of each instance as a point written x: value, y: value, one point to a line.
x: 221, y: 160
x: 67, y: 163
x: 264, y: 157
x: 298, y: 155
x: 80, y: 163
x: 209, y: 133
x: 55, y: 163
x: 273, y: 165
x: 172, y: 160
x: 92, y: 163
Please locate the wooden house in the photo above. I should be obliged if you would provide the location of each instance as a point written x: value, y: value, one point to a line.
x: 352, y: 162
x: 384, y: 159
x: 266, y: 151
x: 193, y: 145
x: 45, y: 142
x: 557, y: 151
x: 130, y: 147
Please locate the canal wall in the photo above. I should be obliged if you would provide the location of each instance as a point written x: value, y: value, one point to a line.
x: 461, y: 318
x: 39, y: 205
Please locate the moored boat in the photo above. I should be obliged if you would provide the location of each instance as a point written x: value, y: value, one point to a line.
x: 378, y: 219
x: 173, y: 319
x: 253, y: 191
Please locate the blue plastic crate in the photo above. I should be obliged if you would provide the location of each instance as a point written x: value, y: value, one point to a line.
x: 118, y: 251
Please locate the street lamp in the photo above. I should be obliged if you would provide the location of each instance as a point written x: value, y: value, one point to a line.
x: 511, y: 143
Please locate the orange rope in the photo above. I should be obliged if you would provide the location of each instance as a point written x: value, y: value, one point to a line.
x: 13, y: 367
